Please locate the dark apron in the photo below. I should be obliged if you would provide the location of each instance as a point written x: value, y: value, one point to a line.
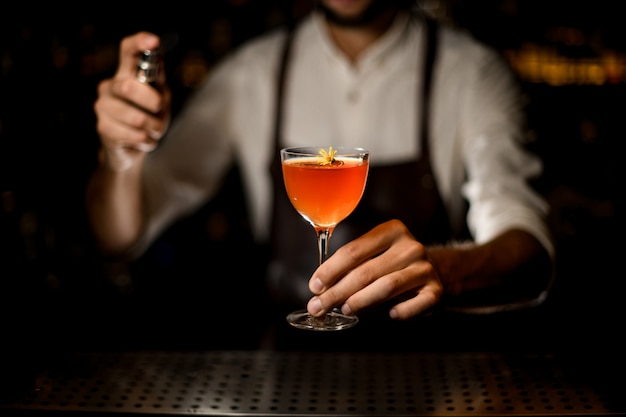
x: 405, y: 191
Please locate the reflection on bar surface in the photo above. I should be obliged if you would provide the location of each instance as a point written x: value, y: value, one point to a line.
x: 306, y: 383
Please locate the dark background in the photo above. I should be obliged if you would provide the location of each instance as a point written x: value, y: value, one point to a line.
x: 56, y: 291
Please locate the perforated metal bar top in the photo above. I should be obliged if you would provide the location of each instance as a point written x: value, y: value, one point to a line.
x: 270, y: 383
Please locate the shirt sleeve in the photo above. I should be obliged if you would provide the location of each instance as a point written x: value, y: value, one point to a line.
x: 499, y: 167
x: 193, y: 157
x: 229, y: 112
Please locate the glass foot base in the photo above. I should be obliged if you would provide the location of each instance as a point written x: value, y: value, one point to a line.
x: 333, y: 320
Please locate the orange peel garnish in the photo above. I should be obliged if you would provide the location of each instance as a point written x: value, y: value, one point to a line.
x: 327, y: 157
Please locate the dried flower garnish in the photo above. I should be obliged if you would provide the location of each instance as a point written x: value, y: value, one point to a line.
x: 327, y: 157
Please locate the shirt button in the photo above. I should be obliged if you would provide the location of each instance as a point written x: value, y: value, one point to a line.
x: 353, y: 96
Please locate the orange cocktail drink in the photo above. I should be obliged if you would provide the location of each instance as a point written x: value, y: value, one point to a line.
x: 325, y: 194
x: 324, y: 185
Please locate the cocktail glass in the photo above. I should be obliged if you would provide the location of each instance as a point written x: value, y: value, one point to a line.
x: 324, y: 185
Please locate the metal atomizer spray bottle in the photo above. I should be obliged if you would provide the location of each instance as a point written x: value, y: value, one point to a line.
x: 148, y: 67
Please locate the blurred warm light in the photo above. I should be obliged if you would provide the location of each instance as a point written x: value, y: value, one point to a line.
x: 194, y: 69
x: 614, y: 66
x: 543, y: 64
x: 548, y: 64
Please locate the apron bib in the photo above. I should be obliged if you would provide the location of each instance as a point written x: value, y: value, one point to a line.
x: 404, y: 191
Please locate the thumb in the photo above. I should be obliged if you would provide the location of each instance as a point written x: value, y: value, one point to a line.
x: 131, y: 48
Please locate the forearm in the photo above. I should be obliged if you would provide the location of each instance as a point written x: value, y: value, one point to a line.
x: 515, y: 261
x: 114, y: 204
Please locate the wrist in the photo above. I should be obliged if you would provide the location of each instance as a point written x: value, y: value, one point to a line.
x: 119, y: 159
x: 453, y: 264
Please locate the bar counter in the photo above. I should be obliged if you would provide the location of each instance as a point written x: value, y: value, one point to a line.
x: 542, y: 362
x: 275, y: 383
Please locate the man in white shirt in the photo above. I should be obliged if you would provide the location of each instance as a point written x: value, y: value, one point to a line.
x: 354, y: 78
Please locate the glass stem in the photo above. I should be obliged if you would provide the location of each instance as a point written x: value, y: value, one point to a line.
x: 323, y: 238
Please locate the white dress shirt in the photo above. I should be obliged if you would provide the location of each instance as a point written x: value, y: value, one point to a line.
x: 477, y: 125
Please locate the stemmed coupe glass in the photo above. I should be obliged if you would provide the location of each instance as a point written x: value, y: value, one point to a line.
x: 324, y: 185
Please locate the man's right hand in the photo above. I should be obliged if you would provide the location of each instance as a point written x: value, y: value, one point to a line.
x: 131, y: 116
x: 131, y: 119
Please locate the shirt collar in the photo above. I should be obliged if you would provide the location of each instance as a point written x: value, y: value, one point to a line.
x: 374, y: 53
